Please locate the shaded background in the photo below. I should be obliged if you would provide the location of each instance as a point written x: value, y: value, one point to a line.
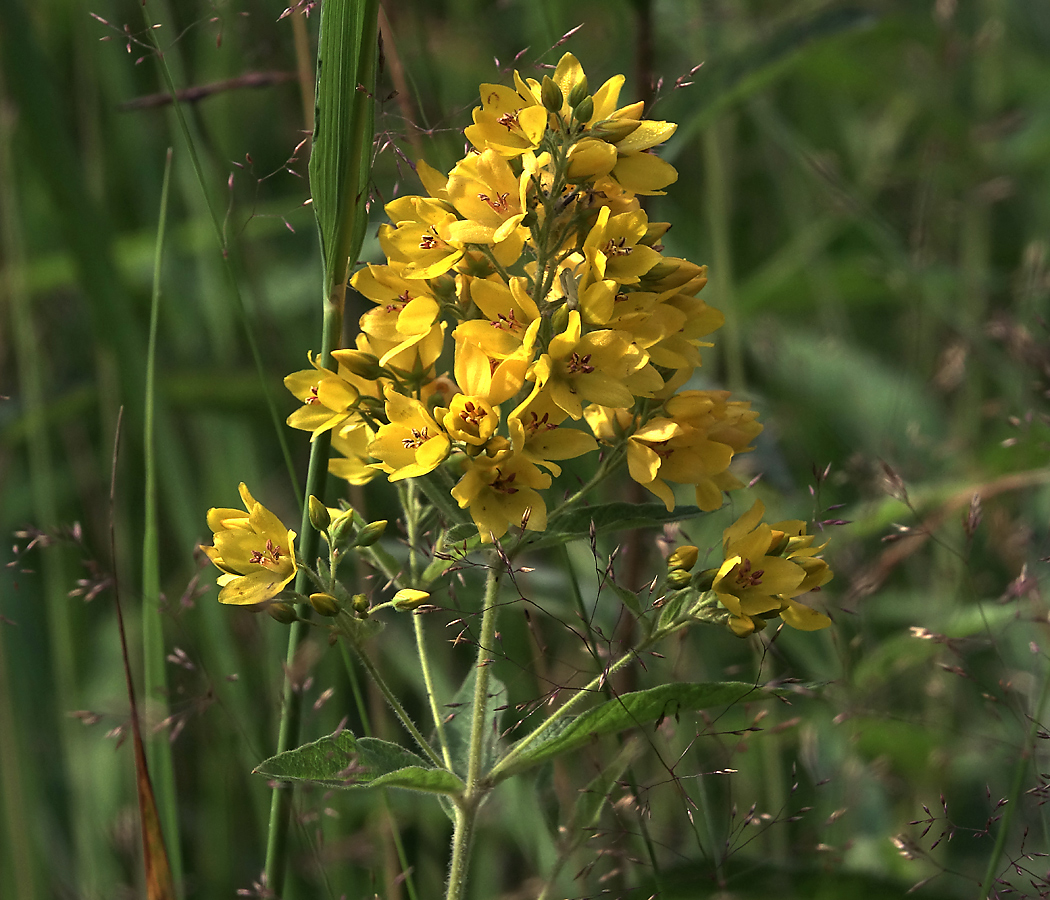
x: 870, y: 185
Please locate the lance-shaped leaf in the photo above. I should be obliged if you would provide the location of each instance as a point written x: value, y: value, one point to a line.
x: 344, y: 123
x: 344, y: 761
x: 623, y: 712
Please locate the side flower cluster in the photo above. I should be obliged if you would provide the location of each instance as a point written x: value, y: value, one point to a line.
x: 765, y: 569
x: 534, y: 264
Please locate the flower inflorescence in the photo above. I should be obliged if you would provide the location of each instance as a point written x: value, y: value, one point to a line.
x: 533, y: 270
x: 534, y: 261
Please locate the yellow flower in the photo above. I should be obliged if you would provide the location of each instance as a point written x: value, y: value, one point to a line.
x: 500, y: 491
x: 415, y: 241
x: 351, y: 441
x: 757, y: 581
x: 508, y: 121
x: 612, y: 247
x: 329, y: 400
x: 471, y: 420
x: 536, y: 433
x: 490, y: 197
x: 254, y: 550
x: 412, y: 443
x: 600, y: 367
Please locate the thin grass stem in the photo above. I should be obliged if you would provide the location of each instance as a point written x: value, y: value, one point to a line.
x: 155, y: 682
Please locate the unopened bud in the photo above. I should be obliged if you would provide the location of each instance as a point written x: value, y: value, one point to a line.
x: 360, y: 363
x: 683, y: 558
x: 584, y: 110
x: 660, y: 270
x: 320, y: 518
x: 560, y: 319
x: 551, y: 95
x: 371, y: 533
x: 614, y: 130
x: 325, y: 604
x: 341, y: 530
x: 702, y: 581
x: 361, y: 603
x: 578, y: 92
x: 282, y: 612
x: 778, y: 543
x: 409, y: 598
x: 678, y: 578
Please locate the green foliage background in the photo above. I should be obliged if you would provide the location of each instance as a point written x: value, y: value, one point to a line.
x: 870, y: 186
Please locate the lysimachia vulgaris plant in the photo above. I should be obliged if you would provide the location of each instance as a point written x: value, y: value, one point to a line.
x: 526, y: 316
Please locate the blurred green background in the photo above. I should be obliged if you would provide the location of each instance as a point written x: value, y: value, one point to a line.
x: 870, y: 185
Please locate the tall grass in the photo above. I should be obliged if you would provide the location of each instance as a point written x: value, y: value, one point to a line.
x: 871, y: 193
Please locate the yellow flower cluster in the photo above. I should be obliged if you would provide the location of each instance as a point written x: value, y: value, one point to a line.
x: 534, y: 264
x: 765, y: 569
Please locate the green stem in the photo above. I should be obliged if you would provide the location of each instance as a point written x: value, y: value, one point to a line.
x: 291, y: 707
x: 462, y: 838
x: 413, y: 513
x: 155, y: 682
x: 388, y: 694
x: 366, y: 728
x: 428, y: 681
x: 467, y: 808
x: 608, y: 466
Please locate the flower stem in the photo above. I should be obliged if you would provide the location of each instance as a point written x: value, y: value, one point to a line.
x: 388, y: 694
x: 291, y: 707
x: 467, y: 807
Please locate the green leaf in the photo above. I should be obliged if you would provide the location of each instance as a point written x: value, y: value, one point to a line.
x: 344, y: 761
x: 344, y: 124
x: 459, y: 726
x: 629, y: 598
x: 626, y: 711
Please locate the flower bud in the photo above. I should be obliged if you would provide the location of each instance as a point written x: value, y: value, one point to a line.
x: 370, y: 533
x: 320, y: 518
x: 614, y: 130
x: 578, y: 92
x: 560, y: 320
x: 362, y: 364
x: 778, y: 543
x: 341, y: 529
x: 325, y: 604
x: 683, y: 558
x: 551, y: 95
x: 702, y: 581
x: 282, y: 612
x: 678, y: 578
x: 660, y: 270
x: 584, y: 110
x: 361, y: 604
x: 409, y: 598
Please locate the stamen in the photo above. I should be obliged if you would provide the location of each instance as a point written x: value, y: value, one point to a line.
x: 509, y: 121
x: 499, y: 204
x: 419, y: 437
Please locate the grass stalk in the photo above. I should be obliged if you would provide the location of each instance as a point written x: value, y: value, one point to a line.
x: 155, y: 684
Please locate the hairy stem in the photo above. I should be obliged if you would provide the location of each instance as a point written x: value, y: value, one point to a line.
x: 467, y: 808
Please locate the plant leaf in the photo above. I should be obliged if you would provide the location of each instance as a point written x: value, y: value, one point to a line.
x: 344, y: 124
x: 459, y: 726
x: 344, y: 761
x: 623, y: 712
